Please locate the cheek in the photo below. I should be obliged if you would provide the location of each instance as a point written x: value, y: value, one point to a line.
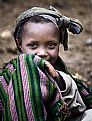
x: 53, y: 57
x: 54, y: 53
x: 25, y: 50
x: 28, y: 51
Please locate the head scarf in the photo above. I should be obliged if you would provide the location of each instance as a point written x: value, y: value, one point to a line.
x: 62, y: 22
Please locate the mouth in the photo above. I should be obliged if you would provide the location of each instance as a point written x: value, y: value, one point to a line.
x: 49, y: 60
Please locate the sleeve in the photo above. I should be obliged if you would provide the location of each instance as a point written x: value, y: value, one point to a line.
x: 71, y: 94
x: 85, y: 92
x: 67, y: 81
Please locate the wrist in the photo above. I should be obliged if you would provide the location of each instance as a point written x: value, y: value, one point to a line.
x: 60, y: 81
x: 57, y: 77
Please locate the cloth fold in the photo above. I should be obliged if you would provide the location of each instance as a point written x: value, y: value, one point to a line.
x: 27, y: 93
x: 62, y: 22
x: 84, y: 90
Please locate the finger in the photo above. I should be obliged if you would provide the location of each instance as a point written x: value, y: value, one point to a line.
x: 50, y: 69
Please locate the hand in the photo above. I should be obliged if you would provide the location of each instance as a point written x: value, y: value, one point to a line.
x: 51, y: 70
x: 55, y: 75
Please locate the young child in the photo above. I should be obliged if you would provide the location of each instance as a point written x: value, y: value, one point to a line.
x: 39, y: 32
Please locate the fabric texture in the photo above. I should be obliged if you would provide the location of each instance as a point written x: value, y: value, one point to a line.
x: 85, y: 116
x: 84, y: 90
x: 62, y: 22
x: 71, y: 95
x: 29, y: 93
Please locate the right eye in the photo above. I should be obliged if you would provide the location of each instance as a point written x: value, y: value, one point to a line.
x: 32, y: 45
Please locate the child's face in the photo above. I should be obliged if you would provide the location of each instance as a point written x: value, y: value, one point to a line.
x: 41, y: 39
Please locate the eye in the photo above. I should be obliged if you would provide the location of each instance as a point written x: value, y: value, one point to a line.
x: 32, y: 45
x: 51, y: 45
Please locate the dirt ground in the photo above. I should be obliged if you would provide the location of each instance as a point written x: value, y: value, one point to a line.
x: 79, y: 56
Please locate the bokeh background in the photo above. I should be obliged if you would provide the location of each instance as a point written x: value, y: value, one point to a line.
x: 79, y: 56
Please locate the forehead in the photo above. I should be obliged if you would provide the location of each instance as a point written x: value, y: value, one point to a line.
x: 44, y: 28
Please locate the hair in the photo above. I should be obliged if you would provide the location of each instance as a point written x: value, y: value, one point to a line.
x: 20, y: 31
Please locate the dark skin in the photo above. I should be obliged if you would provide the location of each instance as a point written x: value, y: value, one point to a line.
x: 42, y: 39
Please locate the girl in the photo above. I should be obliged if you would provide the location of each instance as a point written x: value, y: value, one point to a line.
x: 39, y: 32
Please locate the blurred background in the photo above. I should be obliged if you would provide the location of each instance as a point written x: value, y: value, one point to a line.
x: 79, y: 56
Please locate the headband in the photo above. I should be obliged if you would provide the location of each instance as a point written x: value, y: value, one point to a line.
x: 62, y: 22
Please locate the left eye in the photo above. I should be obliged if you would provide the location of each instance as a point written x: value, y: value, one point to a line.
x: 51, y: 46
x: 32, y: 45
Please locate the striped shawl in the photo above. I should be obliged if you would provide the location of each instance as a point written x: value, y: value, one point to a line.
x: 28, y: 92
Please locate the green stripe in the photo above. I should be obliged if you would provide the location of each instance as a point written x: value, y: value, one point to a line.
x: 7, y: 115
x: 13, y: 62
x: 2, y: 95
x: 38, y: 90
x: 16, y: 87
x: 31, y: 85
x: 22, y: 104
x: 35, y: 89
x: 50, y: 88
x: 41, y: 64
x: 16, y: 96
x: 88, y: 98
x: 55, y: 108
x: 29, y: 81
x: 18, y: 92
x: 7, y: 74
x: 6, y: 77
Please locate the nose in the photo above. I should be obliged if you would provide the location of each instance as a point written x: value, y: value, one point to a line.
x: 42, y: 52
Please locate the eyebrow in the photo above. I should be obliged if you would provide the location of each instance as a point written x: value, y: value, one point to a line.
x: 53, y: 40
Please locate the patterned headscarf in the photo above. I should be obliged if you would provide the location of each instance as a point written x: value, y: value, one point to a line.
x: 62, y: 22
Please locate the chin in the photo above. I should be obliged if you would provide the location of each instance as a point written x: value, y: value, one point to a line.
x: 52, y: 62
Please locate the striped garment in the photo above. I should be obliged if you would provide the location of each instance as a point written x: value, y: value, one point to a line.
x: 85, y: 92
x: 28, y: 92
